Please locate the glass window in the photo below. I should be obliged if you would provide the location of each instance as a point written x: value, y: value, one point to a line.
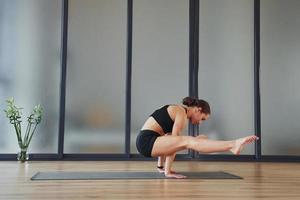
x: 226, y: 68
x: 160, y: 60
x: 280, y: 95
x: 95, y: 95
x: 30, y: 34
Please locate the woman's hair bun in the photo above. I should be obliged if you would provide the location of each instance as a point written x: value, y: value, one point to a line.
x: 192, y: 101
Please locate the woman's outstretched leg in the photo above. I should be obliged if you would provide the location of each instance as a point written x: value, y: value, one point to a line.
x: 241, y: 142
x: 211, y: 146
x: 168, y: 145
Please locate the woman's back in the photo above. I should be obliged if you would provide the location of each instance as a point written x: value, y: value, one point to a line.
x: 162, y: 119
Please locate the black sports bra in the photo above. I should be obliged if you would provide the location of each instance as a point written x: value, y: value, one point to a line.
x: 163, y: 118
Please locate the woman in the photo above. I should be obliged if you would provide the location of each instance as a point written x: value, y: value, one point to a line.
x: 161, y: 137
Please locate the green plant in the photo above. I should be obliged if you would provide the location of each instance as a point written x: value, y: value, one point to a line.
x: 13, y: 113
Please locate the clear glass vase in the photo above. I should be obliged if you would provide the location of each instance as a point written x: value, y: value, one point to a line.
x: 22, y: 155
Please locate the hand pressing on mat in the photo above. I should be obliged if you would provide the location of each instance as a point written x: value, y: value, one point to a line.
x: 171, y: 175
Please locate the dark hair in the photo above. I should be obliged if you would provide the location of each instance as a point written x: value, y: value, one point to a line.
x: 192, y: 101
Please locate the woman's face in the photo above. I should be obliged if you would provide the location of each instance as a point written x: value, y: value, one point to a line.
x: 198, y: 116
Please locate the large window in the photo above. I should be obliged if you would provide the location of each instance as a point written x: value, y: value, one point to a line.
x: 160, y: 57
x: 30, y: 68
x: 226, y: 68
x: 280, y: 72
x: 95, y: 96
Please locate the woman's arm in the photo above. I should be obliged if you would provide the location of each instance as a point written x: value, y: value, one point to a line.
x: 179, y: 124
x: 160, y: 164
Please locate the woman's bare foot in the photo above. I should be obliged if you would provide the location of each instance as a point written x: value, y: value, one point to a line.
x: 171, y: 175
x: 241, y: 142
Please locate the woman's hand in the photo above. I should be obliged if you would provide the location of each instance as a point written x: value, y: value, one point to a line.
x: 201, y: 137
x: 172, y: 175
x: 162, y: 170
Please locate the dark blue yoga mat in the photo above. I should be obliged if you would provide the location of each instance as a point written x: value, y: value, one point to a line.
x: 60, y: 175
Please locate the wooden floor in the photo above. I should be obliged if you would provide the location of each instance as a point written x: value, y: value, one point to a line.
x: 261, y: 181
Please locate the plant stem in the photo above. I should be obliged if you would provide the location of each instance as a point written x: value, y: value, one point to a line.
x: 18, y: 133
x: 27, y: 132
x: 19, y: 128
x: 27, y: 143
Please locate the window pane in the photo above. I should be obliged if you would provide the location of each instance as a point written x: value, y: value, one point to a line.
x: 280, y: 95
x: 160, y: 58
x: 226, y: 68
x: 95, y: 100
x: 30, y: 69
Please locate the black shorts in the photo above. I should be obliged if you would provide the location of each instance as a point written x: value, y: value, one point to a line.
x: 145, y: 141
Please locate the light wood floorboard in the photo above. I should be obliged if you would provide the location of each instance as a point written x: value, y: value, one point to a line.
x: 261, y: 181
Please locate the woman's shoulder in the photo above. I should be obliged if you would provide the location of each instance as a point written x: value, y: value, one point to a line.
x: 177, y: 108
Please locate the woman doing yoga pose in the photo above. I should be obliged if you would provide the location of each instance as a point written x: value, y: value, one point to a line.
x: 161, y: 136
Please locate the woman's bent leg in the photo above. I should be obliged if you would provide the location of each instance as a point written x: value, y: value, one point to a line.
x: 168, y: 145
